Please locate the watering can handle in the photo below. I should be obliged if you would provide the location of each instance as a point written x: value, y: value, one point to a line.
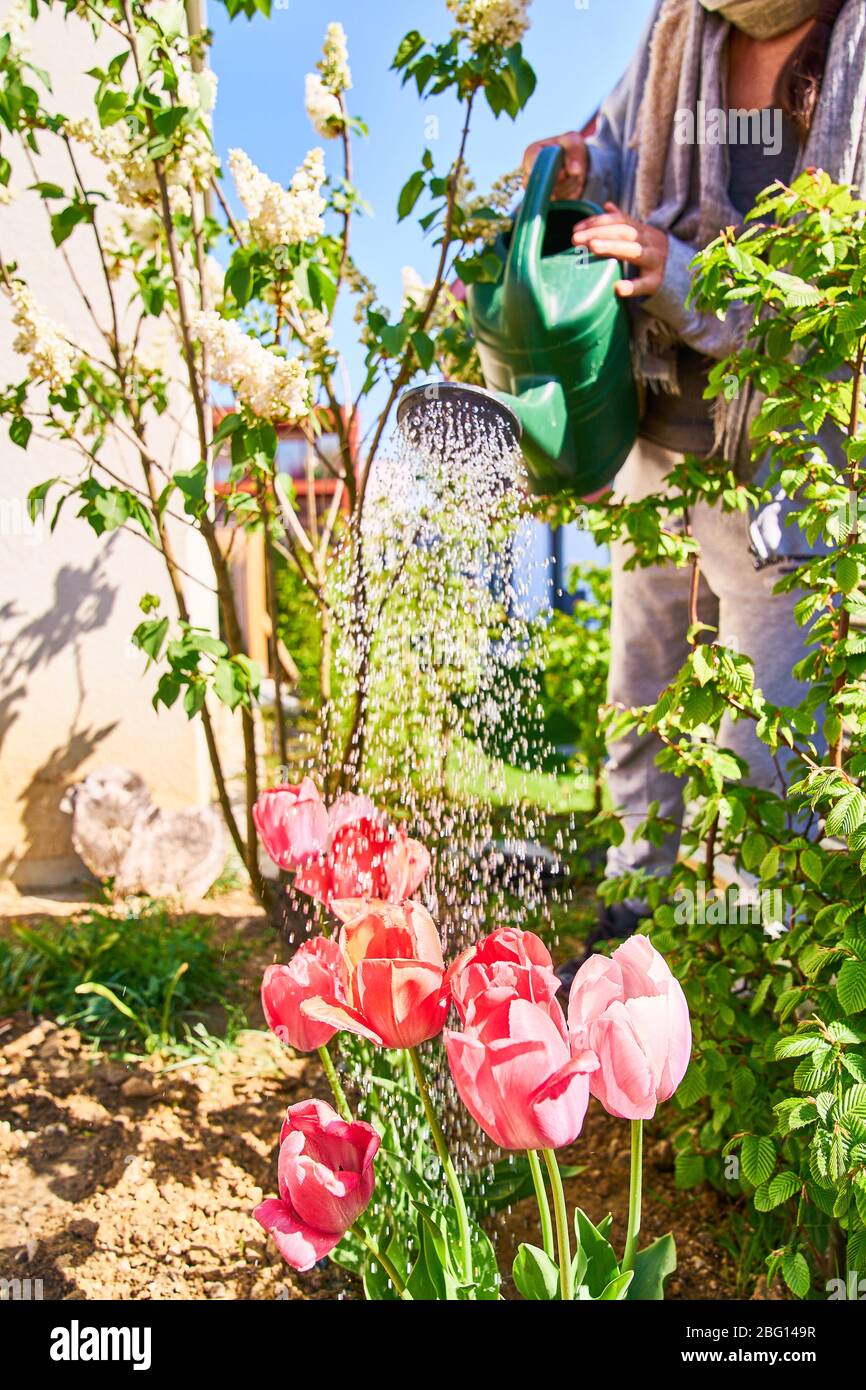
x: 524, y: 255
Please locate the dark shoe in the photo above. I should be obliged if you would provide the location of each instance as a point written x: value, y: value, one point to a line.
x: 615, y: 923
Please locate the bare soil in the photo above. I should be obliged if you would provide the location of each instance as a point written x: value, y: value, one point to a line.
x: 130, y: 1181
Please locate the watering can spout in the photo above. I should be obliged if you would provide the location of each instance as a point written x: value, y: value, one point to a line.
x: 548, y: 444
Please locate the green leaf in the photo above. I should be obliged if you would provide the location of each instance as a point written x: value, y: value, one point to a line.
x: 601, y: 1263
x: 651, y: 1268
x: 36, y: 497
x: 424, y: 348
x: 847, y: 573
x: 851, y: 986
x: 795, y: 1272
x: 812, y: 864
x: 753, y: 850
x: 535, y: 1274
x: 778, y: 1190
x: 20, y: 430
x: 150, y: 636
x: 410, y: 193
x: 690, y: 1170
x: 758, y: 1157
x: 226, y: 427
x: 617, y: 1289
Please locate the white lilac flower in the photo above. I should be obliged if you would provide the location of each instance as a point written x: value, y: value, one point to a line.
x: 276, y: 388
x: 16, y: 23
x: 334, y: 66
x: 323, y: 108
x: 49, y: 356
x: 499, y: 22
x: 279, y: 216
x: 131, y: 173
x: 415, y: 292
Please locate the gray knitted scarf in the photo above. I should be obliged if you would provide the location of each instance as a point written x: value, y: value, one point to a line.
x: 682, y: 188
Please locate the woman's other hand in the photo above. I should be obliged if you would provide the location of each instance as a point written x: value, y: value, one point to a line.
x: 572, y: 177
x: 612, y: 233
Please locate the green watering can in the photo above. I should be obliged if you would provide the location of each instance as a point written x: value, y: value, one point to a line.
x: 554, y: 343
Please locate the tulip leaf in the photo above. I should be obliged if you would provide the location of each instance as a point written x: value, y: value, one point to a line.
x: 601, y: 1263
x: 618, y: 1288
x: 437, y: 1273
x: 651, y: 1268
x: 377, y: 1286
x: 485, y: 1269
x: 535, y: 1274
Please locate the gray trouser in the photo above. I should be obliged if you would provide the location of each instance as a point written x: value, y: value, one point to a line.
x: 648, y: 646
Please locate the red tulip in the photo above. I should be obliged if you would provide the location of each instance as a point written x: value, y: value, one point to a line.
x: 292, y: 823
x: 395, y: 974
x: 316, y: 970
x: 514, y: 1065
x: 325, y: 1182
x: 632, y: 1012
x: 363, y: 859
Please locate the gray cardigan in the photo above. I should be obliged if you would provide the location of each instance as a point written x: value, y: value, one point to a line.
x: 836, y: 143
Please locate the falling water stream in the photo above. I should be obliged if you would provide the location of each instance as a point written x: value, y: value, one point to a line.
x: 446, y: 643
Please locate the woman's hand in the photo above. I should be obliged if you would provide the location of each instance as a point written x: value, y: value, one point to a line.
x: 614, y: 234
x: 572, y: 177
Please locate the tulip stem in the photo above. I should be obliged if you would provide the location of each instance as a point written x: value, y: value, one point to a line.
x: 447, y: 1165
x: 634, y: 1196
x: 543, y: 1204
x: 334, y: 1081
x: 566, y: 1281
x: 399, y: 1287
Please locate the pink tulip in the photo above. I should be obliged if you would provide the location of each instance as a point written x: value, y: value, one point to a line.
x: 632, y: 1013
x: 362, y: 858
x: 395, y: 974
x: 316, y: 970
x: 510, y: 960
x: 405, y: 865
x: 292, y: 823
x: 325, y: 1182
x: 515, y: 1068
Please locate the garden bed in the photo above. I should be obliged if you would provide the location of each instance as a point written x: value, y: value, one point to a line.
x: 127, y: 1180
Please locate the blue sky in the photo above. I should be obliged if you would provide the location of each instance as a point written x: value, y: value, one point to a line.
x: 577, y: 47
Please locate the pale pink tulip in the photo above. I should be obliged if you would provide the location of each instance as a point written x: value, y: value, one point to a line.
x: 395, y: 974
x: 510, y: 960
x: 631, y: 1011
x: 316, y: 970
x: 405, y: 865
x: 515, y: 1068
x: 325, y: 1182
x: 292, y: 823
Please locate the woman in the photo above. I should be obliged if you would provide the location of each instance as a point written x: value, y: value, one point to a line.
x: 668, y: 187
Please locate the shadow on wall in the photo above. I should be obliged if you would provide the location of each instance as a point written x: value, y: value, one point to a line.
x: 49, y: 702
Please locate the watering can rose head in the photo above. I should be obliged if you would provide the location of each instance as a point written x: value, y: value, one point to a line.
x: 516, y: 1069
x: 631, y: 1011
x: 325, y: 1182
